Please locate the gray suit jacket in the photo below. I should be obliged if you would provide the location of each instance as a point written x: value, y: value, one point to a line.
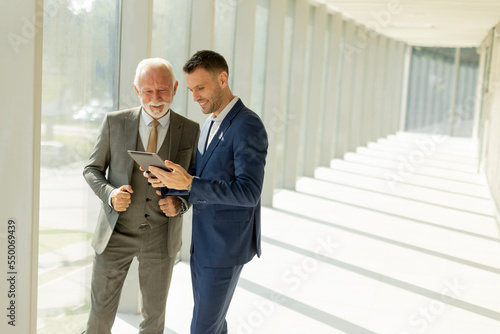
x: 110, y: 166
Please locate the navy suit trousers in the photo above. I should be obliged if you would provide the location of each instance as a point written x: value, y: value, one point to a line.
x: 213, y: 289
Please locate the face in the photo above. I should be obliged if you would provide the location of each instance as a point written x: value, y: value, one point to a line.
x: 156, y: 91
x: 207, y: 90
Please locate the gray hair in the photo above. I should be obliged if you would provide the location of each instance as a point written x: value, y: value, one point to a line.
x: 153, y: 63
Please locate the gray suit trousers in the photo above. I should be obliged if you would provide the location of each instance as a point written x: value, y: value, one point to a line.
x: 155, y: 273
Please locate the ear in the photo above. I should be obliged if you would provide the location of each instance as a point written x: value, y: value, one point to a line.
x: 137, y: 90
x: 222, y: 79
x: 175, y: 87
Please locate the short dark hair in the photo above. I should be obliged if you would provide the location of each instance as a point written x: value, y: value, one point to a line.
x: 209, y: 60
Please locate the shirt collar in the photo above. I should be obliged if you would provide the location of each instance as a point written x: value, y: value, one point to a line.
x: 148, y: 119
x: 225, y: 111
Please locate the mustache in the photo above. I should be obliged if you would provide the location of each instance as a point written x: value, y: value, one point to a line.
x: 156, y: 104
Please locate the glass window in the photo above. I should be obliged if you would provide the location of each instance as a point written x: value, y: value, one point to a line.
x: 430, y: 91
x: 170, y: 40
x: 259, y: 56
x: 80, y: 72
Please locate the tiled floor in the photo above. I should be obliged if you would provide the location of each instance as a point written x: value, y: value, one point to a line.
x: 399, y: 237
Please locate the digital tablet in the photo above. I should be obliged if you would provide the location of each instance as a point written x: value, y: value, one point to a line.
x: 146, y: 159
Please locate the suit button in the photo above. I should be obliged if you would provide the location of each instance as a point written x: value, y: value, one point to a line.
x: 146, y: 215
x: 148, y: 199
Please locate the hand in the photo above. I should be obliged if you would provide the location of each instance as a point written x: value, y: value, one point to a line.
x: 170, y: 205
x: 178, y: 178
x: 155, y: 182
x: 121, y: 198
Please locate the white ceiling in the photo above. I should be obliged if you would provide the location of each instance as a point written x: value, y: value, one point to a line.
x: 445, y: 23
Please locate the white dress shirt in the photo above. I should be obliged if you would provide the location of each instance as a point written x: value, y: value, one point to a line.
x: 145, y: 128
x: 218, y: 119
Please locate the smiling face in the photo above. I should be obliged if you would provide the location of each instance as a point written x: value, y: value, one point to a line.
x: 156, y: 90
x: 208, y: 90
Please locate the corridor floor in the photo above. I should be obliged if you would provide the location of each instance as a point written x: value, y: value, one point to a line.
x: 399, y: 237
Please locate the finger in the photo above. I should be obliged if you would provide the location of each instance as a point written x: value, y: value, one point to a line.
x: 128, y: 188
x: 158, y: 193
x: 123, y: 195
x: 172, y: 165
x: 155, y: 170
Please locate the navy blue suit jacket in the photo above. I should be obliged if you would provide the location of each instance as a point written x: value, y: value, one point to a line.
x: 226, y: 191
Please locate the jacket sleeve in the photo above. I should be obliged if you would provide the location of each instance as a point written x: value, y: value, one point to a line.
x: 239, y: 178
x: 95, y: 170
x: 184, y: 194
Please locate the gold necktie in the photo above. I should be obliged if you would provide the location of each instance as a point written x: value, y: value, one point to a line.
x: 153, y: 137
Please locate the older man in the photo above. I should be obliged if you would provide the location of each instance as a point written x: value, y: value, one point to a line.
x: 135, y: 221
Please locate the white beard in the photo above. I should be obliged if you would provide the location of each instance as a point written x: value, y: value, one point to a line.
x: 155, y: 113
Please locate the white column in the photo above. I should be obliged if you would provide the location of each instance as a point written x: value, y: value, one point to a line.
x: 454, y: 92
x: 202, y: 17
x: 135, y: 45
x: 135, y: 36
x: 272, y: 113
x: 348, y: 54
x: 390, y: 89
x: 316, y: 90
x: 370, y: 86
x: 379, y: 104
x: 243, y: 49
x: 479, y: 94
x: 332, y: 95
x: 406, y: 50
x: 202, y: 27
x: 358, y: 91
x: 21, y: 68
x: 297, y: 87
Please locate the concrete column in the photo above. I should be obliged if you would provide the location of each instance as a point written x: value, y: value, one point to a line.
x: 135, y: 45
x: 243, y: 50
x: 381, y: 104
x: 454, y: 92
x: 348, y: 54
x: 390, y: 88
x: 316, y: 90
x: 272, y: 112
x: 21, y: 68
x: 406, y: 59
x: 202, y: 28
x: 359, y: 88
x: 296, y: 95
x: 332, y: 96
x: 369, y: 94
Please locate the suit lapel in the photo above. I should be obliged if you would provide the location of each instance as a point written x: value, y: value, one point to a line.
x: 226, y: 123
x: 131, y: 133
x: 174, y: 134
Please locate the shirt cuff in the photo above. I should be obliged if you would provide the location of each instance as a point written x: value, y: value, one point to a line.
x: 110, y: 203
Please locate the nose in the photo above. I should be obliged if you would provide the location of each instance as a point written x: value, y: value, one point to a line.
x: 196, y: 96
x: 156, y: 96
